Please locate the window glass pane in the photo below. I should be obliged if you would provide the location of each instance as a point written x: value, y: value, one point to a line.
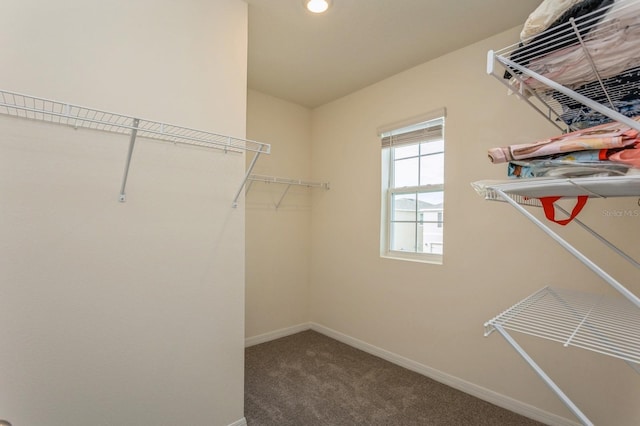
x: 406, y: 151
x: 432, y: 147
x: 432, y: 169
x: 434, y: 246
x: 406, y: 172
x: 403, y: 207
x: 430, y: 208
x: 431, y: 200
x: 403, y: 237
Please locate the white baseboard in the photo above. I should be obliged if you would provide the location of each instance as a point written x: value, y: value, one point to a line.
x: 449, y: 380
x: 241, y: 422
x: 276, y: 334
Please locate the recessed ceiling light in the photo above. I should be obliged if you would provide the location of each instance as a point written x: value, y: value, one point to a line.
x: 317, y: 6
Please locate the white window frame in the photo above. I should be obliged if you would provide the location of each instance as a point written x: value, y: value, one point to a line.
x: 388, y: 191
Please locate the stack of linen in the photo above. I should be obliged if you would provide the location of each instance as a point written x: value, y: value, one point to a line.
x: 610, y: 149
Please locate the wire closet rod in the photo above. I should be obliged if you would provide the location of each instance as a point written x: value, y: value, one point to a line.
x: 285, y: 181
x: 57, y: 112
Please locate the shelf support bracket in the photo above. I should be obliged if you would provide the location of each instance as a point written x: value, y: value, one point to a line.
x: 634, y: 366
x: 248, y: 187
x: 246, y: 177
x: 603, y: 240
x: 565, y: 399
x: 132, y: 141
x: 572, y: 250
x: 491, y: 58
x: 283, y: 195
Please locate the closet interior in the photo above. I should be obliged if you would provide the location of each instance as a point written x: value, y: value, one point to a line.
x: 135, y: 298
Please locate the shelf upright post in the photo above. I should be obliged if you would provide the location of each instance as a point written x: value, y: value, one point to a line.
x: 132, y: 141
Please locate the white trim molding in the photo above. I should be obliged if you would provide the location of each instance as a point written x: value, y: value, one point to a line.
x: 276, y: 334
x: 449, y: 380
x: 241, y: 422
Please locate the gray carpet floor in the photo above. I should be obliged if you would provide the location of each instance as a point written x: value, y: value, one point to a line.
x: 309, y: 379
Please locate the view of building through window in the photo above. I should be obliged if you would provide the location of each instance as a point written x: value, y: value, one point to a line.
x: 416, y: 225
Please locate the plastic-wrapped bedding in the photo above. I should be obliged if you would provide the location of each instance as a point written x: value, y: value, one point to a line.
x: 555, y: 36
x: 613, y: 44
x: 544, y: 17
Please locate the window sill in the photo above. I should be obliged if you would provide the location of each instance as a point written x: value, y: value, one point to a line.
x: 434, y: 259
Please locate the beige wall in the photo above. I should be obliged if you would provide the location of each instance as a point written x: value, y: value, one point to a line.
x: 278, y: 239
x: 122, y: 313
x: 493, y: 257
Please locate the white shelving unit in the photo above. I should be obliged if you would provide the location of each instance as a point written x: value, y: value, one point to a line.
x: 607, y: 325
x: 599, y: 323
x: 287, y: 184
x: 564, y: 75
x: 56, y: 112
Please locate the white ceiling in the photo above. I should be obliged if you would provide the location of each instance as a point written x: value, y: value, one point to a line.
x: 313, y: 59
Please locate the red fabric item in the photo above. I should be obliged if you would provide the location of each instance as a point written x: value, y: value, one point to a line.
x: 550, y: 211
x: 603, y: 155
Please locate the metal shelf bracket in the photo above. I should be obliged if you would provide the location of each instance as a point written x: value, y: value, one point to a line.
x: 132, y: 141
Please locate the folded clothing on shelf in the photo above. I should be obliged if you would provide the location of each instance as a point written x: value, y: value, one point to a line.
x: 605, y: 136
x: 577, y: 164
x: 622, y: 95
x: 609, y: 149
x: 630, y: 156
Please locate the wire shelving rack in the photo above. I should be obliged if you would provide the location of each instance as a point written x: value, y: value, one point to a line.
x: 67, y: 114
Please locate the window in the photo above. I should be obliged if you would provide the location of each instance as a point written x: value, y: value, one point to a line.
x: 413, y: 191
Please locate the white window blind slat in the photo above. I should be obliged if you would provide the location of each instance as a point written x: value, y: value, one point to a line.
x: 439, y: 113
x: 432, y: 133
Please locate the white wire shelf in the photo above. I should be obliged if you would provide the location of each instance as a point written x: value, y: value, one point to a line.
x: 603, y: 324
x: 41, y: 109
x: 56, y: 112
x: 287, y: 182
x: 592, y: 60
x: 526, y: 191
